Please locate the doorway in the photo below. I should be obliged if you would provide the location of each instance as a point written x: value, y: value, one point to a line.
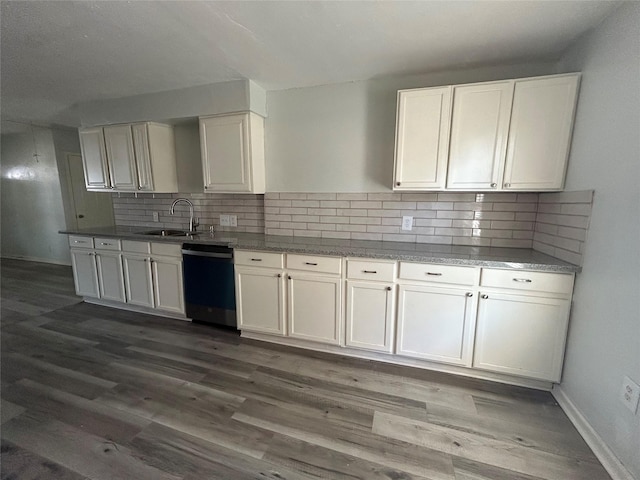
x: 90, y: 209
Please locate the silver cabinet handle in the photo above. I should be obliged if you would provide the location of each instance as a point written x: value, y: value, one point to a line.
x: 484, y: 296
x: 311, y: 263
x: 103, y: 243
x: 434, y: 274
x: 507, y: 185
x: 369, y: 271
x: 523, y: 280
x: 494, y: 185
x: 469, y: 294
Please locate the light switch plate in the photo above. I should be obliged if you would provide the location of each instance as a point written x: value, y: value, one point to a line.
x: 156, y: 217
x: 225, y: 221
x: 233, y: 220
x: 407, y: 223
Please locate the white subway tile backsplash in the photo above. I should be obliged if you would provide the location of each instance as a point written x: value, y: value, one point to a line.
x: 555, y: 223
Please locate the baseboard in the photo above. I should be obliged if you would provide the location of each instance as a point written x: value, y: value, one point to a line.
x: 36, y: 259
x: 609, y: 461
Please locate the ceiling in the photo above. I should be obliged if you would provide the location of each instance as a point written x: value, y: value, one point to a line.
x: 55, y: 54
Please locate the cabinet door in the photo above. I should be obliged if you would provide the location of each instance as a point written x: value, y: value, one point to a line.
x: 479, y: 131
x: 167, y: 281
x: 122, y: 162
x: 142, y: 156
x: 85, y: 272
x: 314, y: 303
x: 422, y: 138
x: 138, y: 280
x: 224, y: 142
x: 260, y: 300
x: 540, y: 133
x: 110, y: 275
x: 521, y: 335
x: 436, y: 324
x: 370, y: 314
x: 94, y: 159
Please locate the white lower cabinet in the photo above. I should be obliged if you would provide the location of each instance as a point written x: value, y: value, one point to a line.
x: 370, y: 315
x: 85, y: 272
x: 260, y: 300
x: 314, y: 304
x: 129, y: 272
x: 110, y: 275
x: 167, y: 282
x: 521, y: 335
x: 436, y: 323
x: 302, y: 299
x: 138, y: 280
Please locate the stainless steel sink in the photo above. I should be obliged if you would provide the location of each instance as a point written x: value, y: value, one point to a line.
x: 167, y: 233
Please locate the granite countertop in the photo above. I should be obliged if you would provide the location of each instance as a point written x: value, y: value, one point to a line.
x: 516, y: 258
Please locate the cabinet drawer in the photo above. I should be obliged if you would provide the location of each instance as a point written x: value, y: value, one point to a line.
x: 439, y: 273
x: 107, y: 243
x: 168, y: 249
x: 80, y: 242
x: 561, y: 283
x: 371, y: 270
x: 258, y: 259
x: 314, y: 263
x: 135, y: 247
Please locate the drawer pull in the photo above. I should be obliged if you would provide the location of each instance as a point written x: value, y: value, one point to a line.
x: 434, y: 274
x: 369, y: 271
x: 104, y: 243
x: 311, y: 263
x: 525, y: 280
x: 484, y: 296
x: 469, y: 294
x: 256, y: 259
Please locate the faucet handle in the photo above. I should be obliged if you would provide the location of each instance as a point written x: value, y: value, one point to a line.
x: 195, y: 223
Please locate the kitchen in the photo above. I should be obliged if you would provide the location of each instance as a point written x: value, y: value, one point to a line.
x: 309, y: 132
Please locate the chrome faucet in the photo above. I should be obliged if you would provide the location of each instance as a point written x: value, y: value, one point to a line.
x: 193, y: 222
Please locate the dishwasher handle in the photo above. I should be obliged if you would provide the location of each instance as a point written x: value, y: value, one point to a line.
x: 207, y: 254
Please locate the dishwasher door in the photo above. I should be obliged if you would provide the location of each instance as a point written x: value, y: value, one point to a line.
x: 209, y: 289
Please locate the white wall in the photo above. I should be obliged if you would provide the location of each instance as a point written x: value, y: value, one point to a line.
x: 226, y: 97
x: 604, y: 338
x: 340, y: 138
x: 32, y: 212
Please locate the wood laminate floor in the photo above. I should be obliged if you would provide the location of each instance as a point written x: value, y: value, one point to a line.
x: 93, y: 392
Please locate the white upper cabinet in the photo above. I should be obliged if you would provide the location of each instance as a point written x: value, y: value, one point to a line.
x: 122, y: 162
x: 422, y: 138
x: 130, y: 157
x: 94, y: 157
x: 232, y: 148
x: 540, y: 133
x: 479, y: 130
x: 499, y: 136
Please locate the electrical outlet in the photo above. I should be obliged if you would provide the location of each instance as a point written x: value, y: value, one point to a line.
x: 233, y: 220
x: 629, y: 394
x: 225, y: 221
x: 156, y: 217
x: 407, y: 223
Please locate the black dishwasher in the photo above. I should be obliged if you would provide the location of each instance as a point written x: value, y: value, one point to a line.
x: 209, y: 290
